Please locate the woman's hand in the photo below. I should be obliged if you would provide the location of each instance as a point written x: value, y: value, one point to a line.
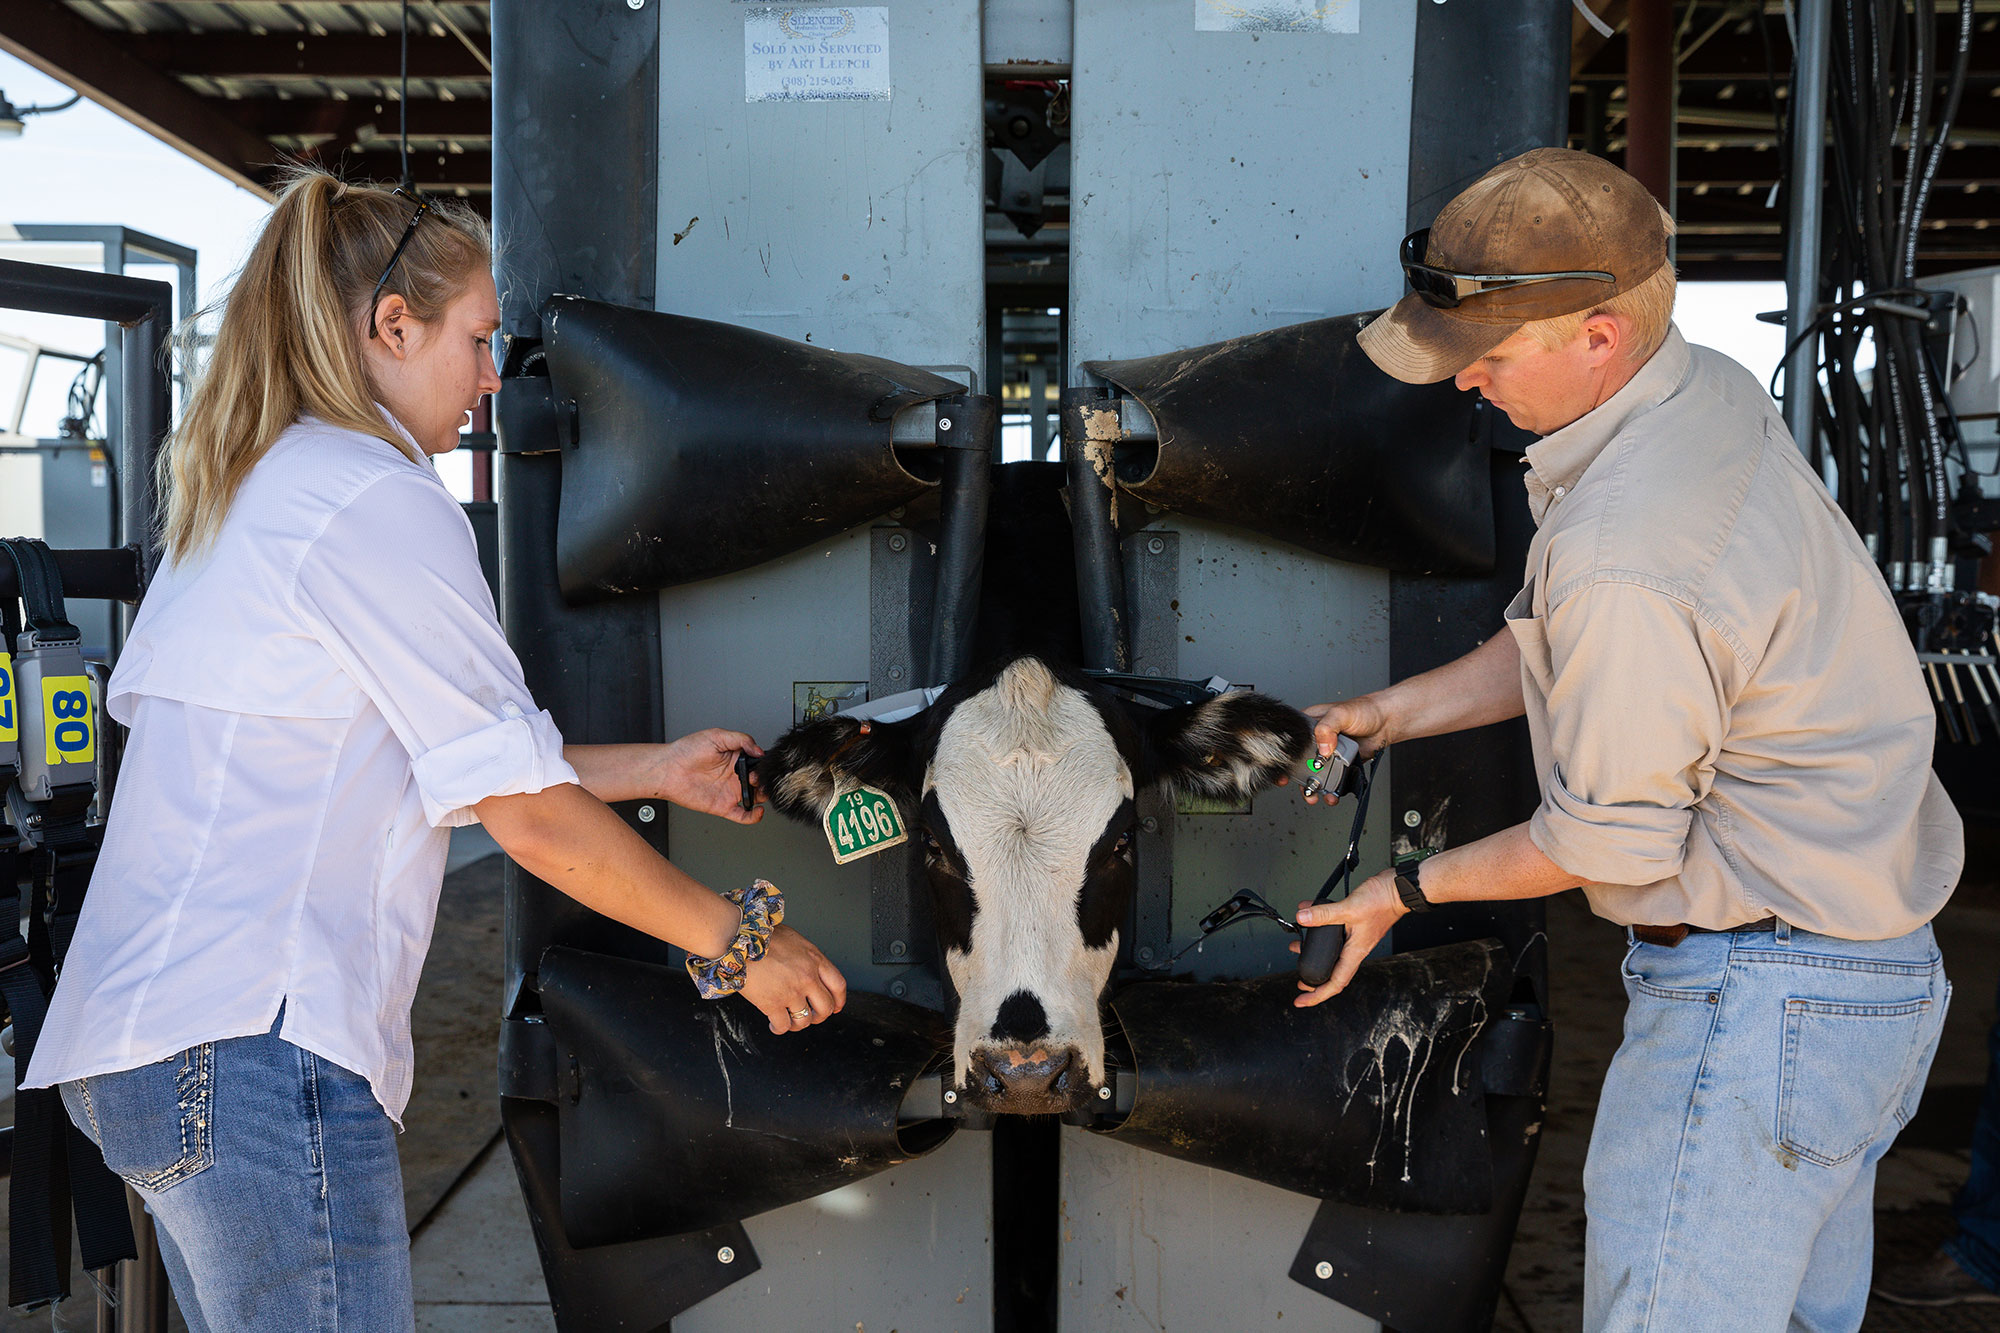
x: 793, y: 983
x: 698, y: 772
x: 1363, y: 719
x: 1367, y: 913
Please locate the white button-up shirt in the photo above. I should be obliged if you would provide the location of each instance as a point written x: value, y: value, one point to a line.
x: 314, y: 702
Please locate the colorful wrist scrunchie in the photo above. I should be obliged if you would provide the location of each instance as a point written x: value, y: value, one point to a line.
x: 763, y: 910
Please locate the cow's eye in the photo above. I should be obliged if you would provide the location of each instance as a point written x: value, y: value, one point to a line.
x: 1123, y: 847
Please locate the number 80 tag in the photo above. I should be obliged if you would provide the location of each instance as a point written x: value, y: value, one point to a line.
x: 862, y: 822
x: 69, y: 730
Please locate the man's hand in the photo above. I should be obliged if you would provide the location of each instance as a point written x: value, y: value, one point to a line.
x: 1367, y: 913
x: 793, y: 983
x: 1364, y: 719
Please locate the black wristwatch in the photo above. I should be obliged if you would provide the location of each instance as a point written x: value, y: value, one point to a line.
x: 1409, y: 889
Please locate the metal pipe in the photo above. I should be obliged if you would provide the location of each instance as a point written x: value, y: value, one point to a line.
x: 1090, y: 428
x: 142, y: 1282
x: 1804, y: 193
x: 1649, y: 97
x: 965, y: 426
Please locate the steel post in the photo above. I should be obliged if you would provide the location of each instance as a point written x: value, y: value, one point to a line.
x: 1804, y: 190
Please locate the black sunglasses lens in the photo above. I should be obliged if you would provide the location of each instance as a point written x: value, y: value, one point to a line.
x: 1438, y: 289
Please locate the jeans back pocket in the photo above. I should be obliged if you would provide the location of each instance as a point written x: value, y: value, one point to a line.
x: 1847, y: 1067
x: 155, y: 1123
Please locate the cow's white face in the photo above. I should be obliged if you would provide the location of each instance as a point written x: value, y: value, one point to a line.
x: 1021, y: 788
x: 1028, y: 806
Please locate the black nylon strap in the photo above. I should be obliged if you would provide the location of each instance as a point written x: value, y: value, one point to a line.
x: 41, y: 587
x: 36, y: 1273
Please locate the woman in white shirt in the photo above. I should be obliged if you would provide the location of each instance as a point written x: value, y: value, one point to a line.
x: 317, y: 691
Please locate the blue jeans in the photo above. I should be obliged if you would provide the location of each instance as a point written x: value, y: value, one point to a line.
x: 1731, y: 1176
x: 1976, y: 1207
x: 272, y: 1175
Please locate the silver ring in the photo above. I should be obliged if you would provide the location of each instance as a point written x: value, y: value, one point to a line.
x: 800, y: 1013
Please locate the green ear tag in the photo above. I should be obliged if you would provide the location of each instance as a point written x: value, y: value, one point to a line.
x: 862, y: 822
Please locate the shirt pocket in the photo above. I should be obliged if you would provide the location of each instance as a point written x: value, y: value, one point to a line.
x: 1847, y: 1073
x: 1531, y: 636
x: 156, y: 1123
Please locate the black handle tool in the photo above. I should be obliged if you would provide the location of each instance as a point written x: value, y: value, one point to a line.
x: 745, y: 766
x: 1320, y: 946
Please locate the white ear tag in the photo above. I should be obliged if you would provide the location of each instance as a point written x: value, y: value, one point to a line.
x: 862, y: 822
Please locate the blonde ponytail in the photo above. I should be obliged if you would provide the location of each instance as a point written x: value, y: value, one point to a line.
x: 289, y: 342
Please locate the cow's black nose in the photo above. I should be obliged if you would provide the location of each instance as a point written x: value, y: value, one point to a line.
x: 1010, y: 1080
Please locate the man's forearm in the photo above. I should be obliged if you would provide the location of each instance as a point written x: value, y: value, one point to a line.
x: 1481, y: 687
x: 1503, y: 865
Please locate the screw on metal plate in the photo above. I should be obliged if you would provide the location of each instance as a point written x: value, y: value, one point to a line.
x: 725, y: 1255
x: 897, y: 948
x: 899, y: 989
x: 1104, y: 1094
x: 1150, y: 824
x: 647, y: 814
x: 1324, y: 1270
x: 898, y: 542
x: 1155, y: 545
x: 1145, y: 953
x: 895, y: 673
x: 641, y: 4
x: 1411, y: 819
x: 944, y: 423
x: 950, y: 1097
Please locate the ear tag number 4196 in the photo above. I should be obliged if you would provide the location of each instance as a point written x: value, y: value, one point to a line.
x: 862, y: 822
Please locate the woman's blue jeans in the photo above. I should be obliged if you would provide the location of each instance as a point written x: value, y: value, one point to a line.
x: 273, y: 1178
x: 1731, y: 1177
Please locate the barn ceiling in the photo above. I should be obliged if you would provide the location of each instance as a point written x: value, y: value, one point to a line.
x: 242, y: 86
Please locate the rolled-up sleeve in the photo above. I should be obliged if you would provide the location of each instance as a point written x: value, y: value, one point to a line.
x: 1637, y: 714
x: 392, y: 588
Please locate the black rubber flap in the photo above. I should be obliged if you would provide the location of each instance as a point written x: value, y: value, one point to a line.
x: 1293, y: 433
x: 1369, y: 1098
x: 680, y: 1113
x: 695, y: 448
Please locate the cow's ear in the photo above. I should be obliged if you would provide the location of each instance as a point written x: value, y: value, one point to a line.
x: 818, y: 760
x: 1225, y: 748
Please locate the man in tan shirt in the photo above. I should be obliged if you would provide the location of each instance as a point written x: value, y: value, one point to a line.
x: 1733, y: 744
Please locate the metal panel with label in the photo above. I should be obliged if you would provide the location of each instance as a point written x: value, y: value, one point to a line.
x: 821, y: 179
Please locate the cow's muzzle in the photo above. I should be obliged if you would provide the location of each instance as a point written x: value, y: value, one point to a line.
x: 1027, y: 1080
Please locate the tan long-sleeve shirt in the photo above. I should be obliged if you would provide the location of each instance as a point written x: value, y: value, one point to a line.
x: 1728, y: 719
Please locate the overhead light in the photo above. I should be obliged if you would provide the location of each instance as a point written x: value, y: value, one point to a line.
x: 14, y: 119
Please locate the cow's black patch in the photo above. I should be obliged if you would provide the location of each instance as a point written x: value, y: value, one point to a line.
x: 951, y: 889
x: 1108, y: 879
x: 1021, y: 1018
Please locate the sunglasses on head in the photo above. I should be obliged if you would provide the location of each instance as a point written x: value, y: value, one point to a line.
x: 1445, y: 288
x: 423, y: 207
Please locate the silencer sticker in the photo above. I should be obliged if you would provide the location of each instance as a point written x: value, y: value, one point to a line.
x: 816, y: 55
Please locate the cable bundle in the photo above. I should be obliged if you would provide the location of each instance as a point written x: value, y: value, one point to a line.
x: 1886, y: 432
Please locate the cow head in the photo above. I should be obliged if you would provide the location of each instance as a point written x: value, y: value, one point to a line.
x: 1020, y: 787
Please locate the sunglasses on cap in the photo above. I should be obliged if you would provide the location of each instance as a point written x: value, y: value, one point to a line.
x: 423, y: 207
x: 1444, y: 288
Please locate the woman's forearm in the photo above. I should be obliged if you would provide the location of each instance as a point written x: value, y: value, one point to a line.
x: 568, y: 838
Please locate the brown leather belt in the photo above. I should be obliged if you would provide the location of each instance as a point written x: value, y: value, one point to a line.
x: 1669, y: 936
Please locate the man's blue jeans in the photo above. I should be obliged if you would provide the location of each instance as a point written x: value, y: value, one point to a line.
x: 273, y: 1177
x: 1731, y: 1176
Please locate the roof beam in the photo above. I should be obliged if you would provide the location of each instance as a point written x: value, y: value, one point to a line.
x: 470, y: 119
x: 50, y: 37
x: 430, y: 169
x: 338, y: 55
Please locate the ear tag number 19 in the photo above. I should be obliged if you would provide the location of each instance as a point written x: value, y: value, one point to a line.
x: 861, y: 823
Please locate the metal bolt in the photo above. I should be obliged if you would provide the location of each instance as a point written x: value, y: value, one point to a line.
x: 898, y: 542
x: 950, y: 1097
x: 895, y: 673
x: 1411, y: 819
x: 944, y: 423
x: 1150, y: 824
x: 899, y: 989
x: 1155, y: 545
x: 638, y: 5
x: 1104, y: 1094
x: 725, y: 1255
x: 1145, y: 953
x: 647, y: 814
x: 897, y: 948
x: 1324, y: 1270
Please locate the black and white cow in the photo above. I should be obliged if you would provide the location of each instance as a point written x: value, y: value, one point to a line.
x: 1020, y: 784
